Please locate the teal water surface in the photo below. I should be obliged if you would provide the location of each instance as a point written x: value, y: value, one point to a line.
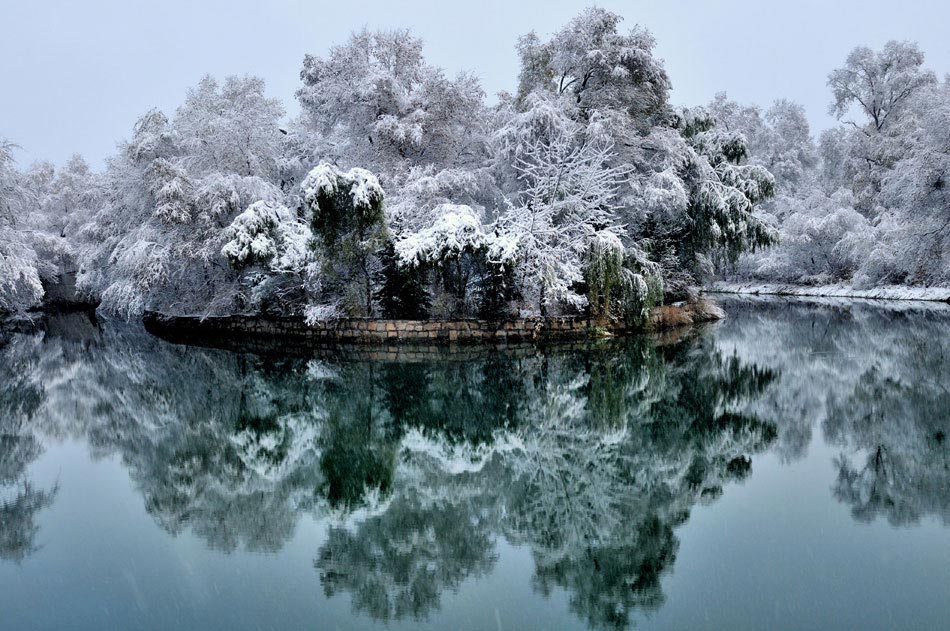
x: 788, y: 467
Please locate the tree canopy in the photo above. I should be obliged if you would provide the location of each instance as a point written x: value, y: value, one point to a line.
x: 586, y: 192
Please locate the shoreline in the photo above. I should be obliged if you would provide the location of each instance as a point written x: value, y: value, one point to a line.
x: 889, y: 292
x: 373, y: 331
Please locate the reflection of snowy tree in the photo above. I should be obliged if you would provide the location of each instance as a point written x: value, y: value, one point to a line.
x: 20, y: 398
x: 17, y: 451
x: 20, y: 394
x: 460, y: 401
x: 217, y: 443
x: 598, y: 503
x: 591, y: 458
x: 18, y: 527
x: 231, y: 485
x: 396, y: 564
x: 600, y: 456
x: 432, y: 531
x: 884, y: 403
x: 609, y: 582
x: 901, y: 426
x: 359, y: 456
x: 223, y: 445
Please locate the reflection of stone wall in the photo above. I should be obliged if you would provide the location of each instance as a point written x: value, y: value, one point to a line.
x: 376, y: 331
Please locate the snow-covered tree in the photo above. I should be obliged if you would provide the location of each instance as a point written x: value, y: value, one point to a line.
x: 684, y: 197
x: 156, y: 241
x: 65, y: 197
x: 779, y: 140
x: 376, y: 100
x: 597, y: 70
x: 271, y: 238
x: 915, y: 225
x: 821, y: 237
x: 589, y: 191
x: 65, y: 200
x: 20, y: 268
x: 568, y: 193
x: 375, y: 103
x: 348, y: 221
x: 872, y: 211
x: 722, y: 191
x: 232, y: 128
x: 879, y: 84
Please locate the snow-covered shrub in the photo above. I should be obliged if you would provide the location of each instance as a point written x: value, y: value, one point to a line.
x: 267, y: 234
x: 456, y: 230
x: 465, y: 265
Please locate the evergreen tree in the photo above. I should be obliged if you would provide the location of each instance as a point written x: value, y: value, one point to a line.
x: 402, y: 292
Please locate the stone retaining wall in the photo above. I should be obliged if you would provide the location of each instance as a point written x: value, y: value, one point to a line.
x: 425, y: 332
x: 375, y: 331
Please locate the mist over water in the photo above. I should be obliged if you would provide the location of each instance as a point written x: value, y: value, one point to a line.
x: 787, y: 467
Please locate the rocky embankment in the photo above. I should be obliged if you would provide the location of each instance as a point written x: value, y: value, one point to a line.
x: 194, y: 329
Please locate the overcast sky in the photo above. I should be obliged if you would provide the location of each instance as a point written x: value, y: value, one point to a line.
x: 76, y: 75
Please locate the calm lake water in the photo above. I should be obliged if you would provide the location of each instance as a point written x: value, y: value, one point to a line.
x: 788, y: 467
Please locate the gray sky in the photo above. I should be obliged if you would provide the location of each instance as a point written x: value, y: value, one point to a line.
x: 76, y: 75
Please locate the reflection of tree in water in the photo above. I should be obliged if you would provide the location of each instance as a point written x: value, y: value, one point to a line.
x: 598, y: 507
x: 18, y: 527
x: 396, y: 563
x: 590, y: 458
x: 874, y: 378
x: 217, y: 443
x: 20, y: 499
x: 223, y: 445
x: 598, y: 458
x: 897, y: 417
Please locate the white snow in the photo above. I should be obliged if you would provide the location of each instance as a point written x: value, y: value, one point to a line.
x: 363, y: 186
x: 455, y: 230
x: 887, y: 292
